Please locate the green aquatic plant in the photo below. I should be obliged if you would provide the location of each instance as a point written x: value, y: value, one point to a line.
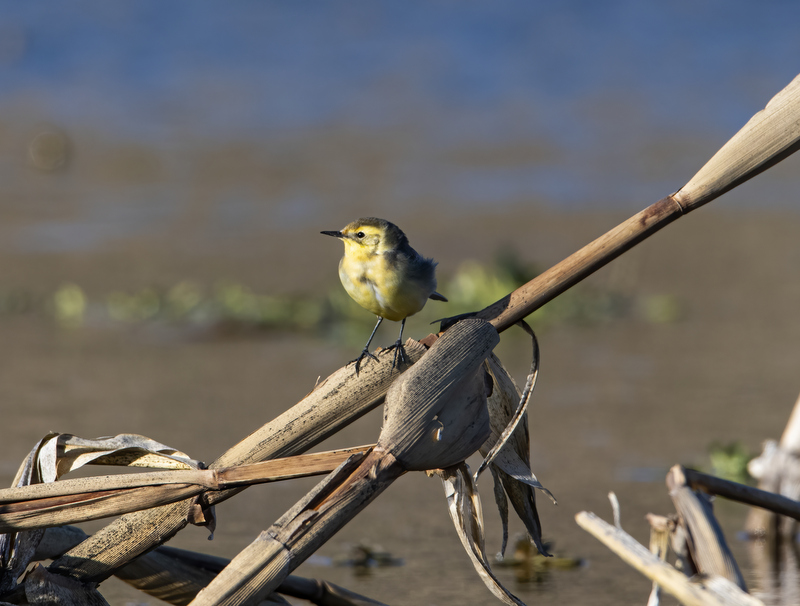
x: 729, y: 461
x: 18, y: 302
x: 137, y: 307
x: 470, y: 288
x: 475, y: 286
x: 661, y: 309
x: 69, y: 306
x: 183, y: 299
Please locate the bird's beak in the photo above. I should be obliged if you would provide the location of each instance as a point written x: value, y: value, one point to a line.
x: 335, y: 234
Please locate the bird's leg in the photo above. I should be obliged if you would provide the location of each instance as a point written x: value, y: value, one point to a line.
x: 366, y: 353
x: 398, y: 346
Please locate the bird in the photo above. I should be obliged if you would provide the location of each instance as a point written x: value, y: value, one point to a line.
x: 383, y: 274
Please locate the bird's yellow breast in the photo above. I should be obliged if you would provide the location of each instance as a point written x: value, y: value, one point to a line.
x: 384, y: 289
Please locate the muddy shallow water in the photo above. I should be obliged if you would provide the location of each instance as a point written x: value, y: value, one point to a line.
x: 218, y: 151
x: 618, y: 402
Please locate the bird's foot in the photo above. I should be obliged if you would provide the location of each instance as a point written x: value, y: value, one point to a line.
x: 399, y: 351
x: 364, y: 354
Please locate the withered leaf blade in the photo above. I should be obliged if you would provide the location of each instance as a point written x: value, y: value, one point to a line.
x: 56, y: 454
x: 127, y: 450
x: 519, y: 416
x: 465, y: 510
x: 512, y: 462
x: 17, y: 549
x: 95, y: 497
x: 435, y: 414
x: 502, y: 506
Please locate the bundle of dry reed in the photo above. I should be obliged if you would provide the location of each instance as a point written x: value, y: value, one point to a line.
x: 436, y: 415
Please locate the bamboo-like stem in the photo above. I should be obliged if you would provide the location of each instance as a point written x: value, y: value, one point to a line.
x: 778, y: 472
x: 338, y: 400
x: 709, y: 591
x: 92, y: 498
x: 706, y: 542
x: 659, y: 546
x: 770, y: 136
x: 263, y: 565
x: 431, y: 419
x: 546, y: 286
x: 177, y: 575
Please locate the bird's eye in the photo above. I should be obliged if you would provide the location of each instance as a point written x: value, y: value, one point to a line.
x: 360, y: 235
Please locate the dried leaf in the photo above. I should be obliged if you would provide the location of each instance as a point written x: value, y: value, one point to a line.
x: 509, y: 462
x: 56, y: 454
x: 512, y: 463
x: 128, y: 450
x: 521, y: 409
x: 502, y: 506
x: 435, y: 414
x: 465, y: 510
x: 17, y: 548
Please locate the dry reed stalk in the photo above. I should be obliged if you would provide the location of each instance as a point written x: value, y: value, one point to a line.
x: 770, y: 136
x: 659, y: 546
x: 767, y: 138
x: 707, y: 545
x: 83, y: 499
x: 435, y: 417
x: 44, y: 587
x: 177, y: 575
x: 706, y: 591
x: 775, y: 557
x: 778, y: 472
x: 338, y: 400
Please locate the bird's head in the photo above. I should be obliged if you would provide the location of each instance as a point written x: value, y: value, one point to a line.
x: 369, y: 236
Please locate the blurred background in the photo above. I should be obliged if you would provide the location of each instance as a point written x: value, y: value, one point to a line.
x: 165, y: 170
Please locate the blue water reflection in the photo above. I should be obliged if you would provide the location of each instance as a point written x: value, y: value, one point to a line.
x: 626, y: 99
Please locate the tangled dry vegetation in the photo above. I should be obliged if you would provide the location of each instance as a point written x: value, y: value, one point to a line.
x: 449, y: 399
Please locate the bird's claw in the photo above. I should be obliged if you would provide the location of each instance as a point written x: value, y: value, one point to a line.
x: 366, y: 353
x: 398, y: 350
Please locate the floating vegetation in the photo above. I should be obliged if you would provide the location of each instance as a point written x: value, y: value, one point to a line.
x: 18, y: 302
x: 729, y: 461
x: 472, y: 287
x: 660, y: 309
x: 475, y: 286
x: 69, y: 306
x: 136, y: 307
x: 363, y: 557
x: 530, y: 566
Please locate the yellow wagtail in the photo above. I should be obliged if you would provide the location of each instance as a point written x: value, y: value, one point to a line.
x: 384, y: 275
